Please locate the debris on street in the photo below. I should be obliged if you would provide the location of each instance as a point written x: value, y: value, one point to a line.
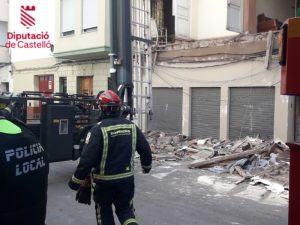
x: 257, y: 161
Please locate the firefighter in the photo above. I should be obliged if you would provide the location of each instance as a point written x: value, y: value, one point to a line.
x: 109, y: 150
x: 24, y: 172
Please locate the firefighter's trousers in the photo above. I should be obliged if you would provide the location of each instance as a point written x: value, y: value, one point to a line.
x: 120, y: 194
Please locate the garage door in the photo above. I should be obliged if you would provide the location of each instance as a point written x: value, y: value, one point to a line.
x: 205, y: 112
x: 167, y: 110
x: 251, y: 112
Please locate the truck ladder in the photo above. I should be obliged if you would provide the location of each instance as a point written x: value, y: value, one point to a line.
x: 141, y: 61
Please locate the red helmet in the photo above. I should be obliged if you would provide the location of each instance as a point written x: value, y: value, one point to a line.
x: 109, y: 98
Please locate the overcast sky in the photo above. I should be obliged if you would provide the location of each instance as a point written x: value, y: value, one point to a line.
x: 44, y: 22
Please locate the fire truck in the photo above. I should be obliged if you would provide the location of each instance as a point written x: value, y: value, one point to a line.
x: 61, y: 123
x: 64, y: 120
x: 290, y: 85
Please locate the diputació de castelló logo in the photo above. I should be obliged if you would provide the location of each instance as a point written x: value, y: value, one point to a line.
x: 27, y: 19
x: 28, y: 39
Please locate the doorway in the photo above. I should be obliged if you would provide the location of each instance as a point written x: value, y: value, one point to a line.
x: 85, y: 85
x: 46, y: 84
x: 63, y: 85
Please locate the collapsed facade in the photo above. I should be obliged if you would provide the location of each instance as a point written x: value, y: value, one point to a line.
x: 212, y: 82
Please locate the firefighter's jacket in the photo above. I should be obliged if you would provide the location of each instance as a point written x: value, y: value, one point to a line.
x: 110, y: 149
x: 23, y: 176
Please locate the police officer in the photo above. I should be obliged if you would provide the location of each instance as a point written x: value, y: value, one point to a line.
x: 109, y: 150
x: 23, y: 175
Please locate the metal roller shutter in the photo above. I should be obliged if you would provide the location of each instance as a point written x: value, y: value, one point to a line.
x: 167, y: 110
x: 251, y: 112
x: 205, y: 112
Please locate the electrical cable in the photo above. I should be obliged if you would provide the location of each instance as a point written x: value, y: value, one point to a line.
x: 179, y: 77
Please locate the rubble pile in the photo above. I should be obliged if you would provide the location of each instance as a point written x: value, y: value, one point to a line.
x: 253, y: 159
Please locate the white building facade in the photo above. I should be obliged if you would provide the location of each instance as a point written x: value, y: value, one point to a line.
x: 79, y: 61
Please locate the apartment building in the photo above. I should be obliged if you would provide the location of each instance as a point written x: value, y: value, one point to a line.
x: 82, y: 45
x: 218, y: 75
x: 79, y: 58
x: 80, y: 62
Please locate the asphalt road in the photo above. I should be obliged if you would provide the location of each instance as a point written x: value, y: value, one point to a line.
x: 174, y: 195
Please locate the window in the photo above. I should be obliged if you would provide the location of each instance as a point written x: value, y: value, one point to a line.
x: 67, y: 17
x: 181, y: 11
x: 3, y: 32
x: 63, y: 84
x: 89, y: 15
x: 235, y: 15
x: 4, y: 86
x: 63, y: 126
x: 298, y: 8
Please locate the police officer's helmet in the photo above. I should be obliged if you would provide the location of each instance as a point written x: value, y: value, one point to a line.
x: 109, y: 102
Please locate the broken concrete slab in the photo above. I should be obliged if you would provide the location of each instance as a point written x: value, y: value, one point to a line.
x: 267, y: 159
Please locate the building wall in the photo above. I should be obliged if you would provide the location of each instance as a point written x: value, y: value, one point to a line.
x: 242, y: 74
x: 208, y: 19
x: 5, y: 77
x: 25, y: 73
x: 4, y: 53
x: 82, y: 41
x: 99, y: 71
x: 3, y: 10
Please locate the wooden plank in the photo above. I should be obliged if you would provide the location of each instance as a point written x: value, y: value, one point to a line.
x: 218, y: 159
x: 242, y: 172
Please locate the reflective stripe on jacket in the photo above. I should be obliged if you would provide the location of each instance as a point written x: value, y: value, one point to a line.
x: 115, y: 164
x: 110, y: 149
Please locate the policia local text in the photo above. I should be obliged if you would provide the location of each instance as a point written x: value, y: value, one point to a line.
x: 24, y: 152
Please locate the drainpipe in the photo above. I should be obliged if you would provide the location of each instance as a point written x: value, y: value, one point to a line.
x: 113, y: 36
x: 124, y: 70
